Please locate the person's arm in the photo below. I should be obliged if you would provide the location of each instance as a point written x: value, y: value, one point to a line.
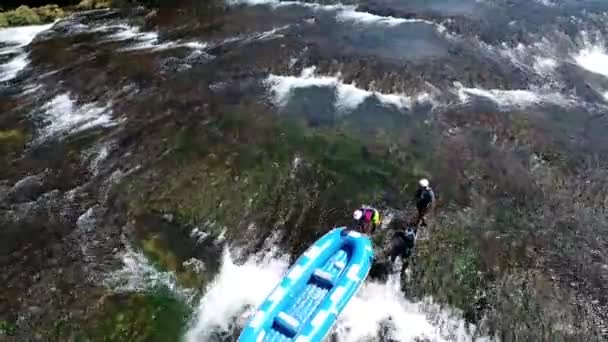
x: 431, y: 205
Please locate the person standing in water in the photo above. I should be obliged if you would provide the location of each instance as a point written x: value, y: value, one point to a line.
x: 367, y: 219
x: 402, y: 244
x: 425, y: 200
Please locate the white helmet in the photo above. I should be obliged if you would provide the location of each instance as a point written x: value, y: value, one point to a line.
x: 358, y: 214
x: 424, y: 182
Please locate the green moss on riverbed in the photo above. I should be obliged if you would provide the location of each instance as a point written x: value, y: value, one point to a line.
x: 11, y: 139
x: 157, y: 250
x: 240, y: 169
x: 7, y: 328
x: 157, y: 316
x: 450, y: 267
x: 12, y: 142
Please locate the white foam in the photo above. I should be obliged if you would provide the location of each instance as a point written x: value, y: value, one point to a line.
x: 233, y: 289
x: 31, y: 88
x: 344, y: 13
x: 376, y: 303
x: 22, y: 35
x: 104, y: 152
x: 252, y: 2
x: 9, y: 70
x: 544, y: 65
x: 348, y: 96
x: 315, y: 6
x: 96, y: 155
x: 17, y: 38
x: 9, y: 49
x: 62, y: 116
x: 368, y: 18
x: 278, y: 3
x: 138, y: 274
x: 282, y: 86
x: 593, y: 58
x: 153, y: 45
x: 271, y: 33
x: 125, y: 32
x: 512, y: 98
x: 397, y: 100
x: 196, y: 45
x: 548, y: 3
x: 239, y: 289
x: 540, y: 57
x: 146, y: 40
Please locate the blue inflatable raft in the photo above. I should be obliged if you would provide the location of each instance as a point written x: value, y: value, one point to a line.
x: 309, y: 299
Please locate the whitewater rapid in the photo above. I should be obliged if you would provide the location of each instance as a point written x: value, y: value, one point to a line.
x: 62, y: 116
x: 232, y: 297
x: 16, y: 39
x: 348, y: 96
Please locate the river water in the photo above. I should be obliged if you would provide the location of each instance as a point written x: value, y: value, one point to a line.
x: 380, y: 62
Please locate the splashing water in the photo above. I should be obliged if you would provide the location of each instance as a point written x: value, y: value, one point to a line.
x: 594, y: 59
x: 144, y: 40
x: 62, y: 115
x: 348, y: 96
x: 233, y: 294
x: 17, y: 38
x: 232, y: 297
x: 138, y: 274
x: 593, y: 56
x: 368, y: 18
x: 382, y: 305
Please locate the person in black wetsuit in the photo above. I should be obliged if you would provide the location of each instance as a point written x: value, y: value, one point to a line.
x: 402, y: 245
x: 425, y: 200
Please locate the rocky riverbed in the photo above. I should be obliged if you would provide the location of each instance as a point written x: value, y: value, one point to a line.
x: 160, y: 168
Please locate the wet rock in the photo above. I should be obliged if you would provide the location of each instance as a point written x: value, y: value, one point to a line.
x: 172, y: 65
x: 35, y: 310
x: 168, y: 217
x: 97, y: 15
x: 66, y: 27
x: 27, y: 189
x: 4, y: 191
x: 198, y: 57
x: 174, y: 248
